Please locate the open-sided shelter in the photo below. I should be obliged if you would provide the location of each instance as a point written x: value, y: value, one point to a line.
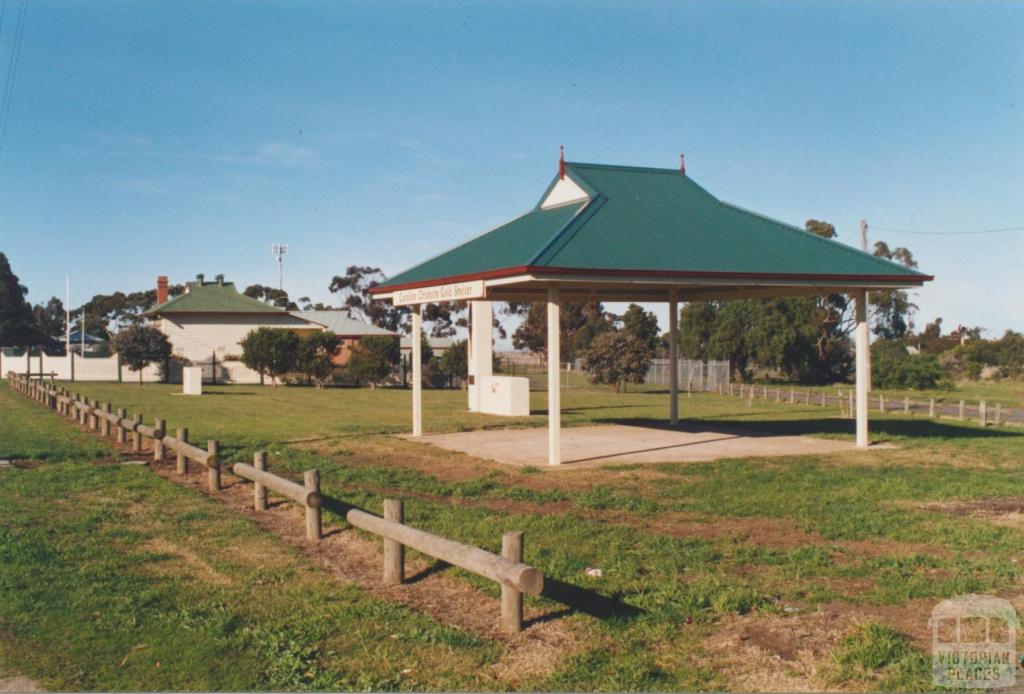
x: 625, y: 233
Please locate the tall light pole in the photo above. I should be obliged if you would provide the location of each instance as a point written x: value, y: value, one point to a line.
x: 279, y: 249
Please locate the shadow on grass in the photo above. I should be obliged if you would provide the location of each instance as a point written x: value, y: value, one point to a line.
x: 586, y: 601
x: 575, y: 598
x: 897, y: 428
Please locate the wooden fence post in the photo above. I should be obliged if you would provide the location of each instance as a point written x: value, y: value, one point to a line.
x: 512, y: 599
x: 314, y: 527
x: 750, y: 396
x: 983, y: 413
x: 94, y: 417
x: 931, y: 407
x: 105, y: 422
x: 182, y: 458
x: 792, y: 397
x: 136, y: 434
x: 259, y: 494
x: 906, y: 405
x: 963, y: 410
x: 120, y: 429
x: 394, y: 552
x: 881, y: 403
x: 999, y: 414
x: 213, y: 465
x: 158, y: 439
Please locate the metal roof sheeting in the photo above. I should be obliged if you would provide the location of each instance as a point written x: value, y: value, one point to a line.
x: 651, y: 220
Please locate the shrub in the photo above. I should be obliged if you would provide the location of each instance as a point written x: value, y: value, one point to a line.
x: 315, y: 354
x: 617, y: 358
x: 140, y: 345
x: 893, y: 367
x: 270, y: 351
x: 374, y: 358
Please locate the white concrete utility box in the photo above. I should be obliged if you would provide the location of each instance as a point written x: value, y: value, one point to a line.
x: 192, y: 380
x: 504, y: 395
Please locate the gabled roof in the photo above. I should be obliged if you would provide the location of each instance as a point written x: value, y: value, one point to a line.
x: 341, y: 322
x: 213, y: 297
x: 643, y: 221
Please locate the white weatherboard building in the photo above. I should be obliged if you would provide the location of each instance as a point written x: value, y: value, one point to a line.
x: 209, y: 321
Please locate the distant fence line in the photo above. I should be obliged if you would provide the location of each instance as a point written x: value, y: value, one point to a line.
x: 110, y: 369
x: 982, y: 412
x: 694, y: 375
x: 507, y: 568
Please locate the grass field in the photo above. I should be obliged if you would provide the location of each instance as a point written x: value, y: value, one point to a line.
x: 785, y: 573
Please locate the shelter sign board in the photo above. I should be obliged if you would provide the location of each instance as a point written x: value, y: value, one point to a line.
x: 461, y: 291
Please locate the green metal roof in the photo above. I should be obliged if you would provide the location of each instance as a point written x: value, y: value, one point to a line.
x: 647, y: 220
x: 213, y: 297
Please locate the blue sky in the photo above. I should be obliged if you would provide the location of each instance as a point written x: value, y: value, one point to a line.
x: 177, y: 138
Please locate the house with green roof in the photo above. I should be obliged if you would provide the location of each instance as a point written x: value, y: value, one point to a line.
x: 629, y: 233
x: 208, y: 322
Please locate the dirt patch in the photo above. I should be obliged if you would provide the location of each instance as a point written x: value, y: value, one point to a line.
x: 18, y: 684
x: 430, y: 589
x: 1006, y: 511
x: 189, y: 563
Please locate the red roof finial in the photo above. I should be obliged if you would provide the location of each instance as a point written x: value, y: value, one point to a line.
x: 682, y: 164
x: 561, y: 161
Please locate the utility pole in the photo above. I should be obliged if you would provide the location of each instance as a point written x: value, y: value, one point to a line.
x: 83, y: 333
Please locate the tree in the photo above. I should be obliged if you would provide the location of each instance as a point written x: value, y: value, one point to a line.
x: 17, y: 324
x: 270, y: 351
x: 138, y: 346
x: 579, y: 323
x: 355, y: 286
x: 50, y: 317
x: 315, y: 354
x: 271, y: 295
x: 617, y: 357
x: 454, y: 363
x: 119, y: 309
x: 643, y: 324
x: 893, y: 310
x: 374, y: 358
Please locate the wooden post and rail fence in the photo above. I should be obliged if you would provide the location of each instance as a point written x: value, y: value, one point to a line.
x: 983, y: 413
x: 507, y: 569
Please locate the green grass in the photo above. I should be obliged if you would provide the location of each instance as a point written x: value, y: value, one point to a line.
x: 880, y: 655
x: 112, y: 578
x: 863, y: 533
x: 29, y: 432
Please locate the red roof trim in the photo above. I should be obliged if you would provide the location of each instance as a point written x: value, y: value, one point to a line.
x: 676, y: 274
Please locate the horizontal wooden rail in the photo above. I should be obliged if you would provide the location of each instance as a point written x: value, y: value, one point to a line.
x: 286, y: 488
x: 479, y: 561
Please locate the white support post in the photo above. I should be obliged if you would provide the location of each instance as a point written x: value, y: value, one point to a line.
x: 673, y: 357
x: 417, y: 372
x: 554, y: 393
x: 863, y: 368
x: 481, y: 349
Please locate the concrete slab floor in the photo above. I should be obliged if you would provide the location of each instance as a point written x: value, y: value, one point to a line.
x: 590, y: 446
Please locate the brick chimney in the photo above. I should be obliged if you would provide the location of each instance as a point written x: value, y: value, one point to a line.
x: 161, y: 290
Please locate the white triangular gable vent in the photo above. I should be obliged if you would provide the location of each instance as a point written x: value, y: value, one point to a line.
x: 565, y: 191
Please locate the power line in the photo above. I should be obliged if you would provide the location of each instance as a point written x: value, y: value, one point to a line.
x: 947, y: 233
x: 12, y: 70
